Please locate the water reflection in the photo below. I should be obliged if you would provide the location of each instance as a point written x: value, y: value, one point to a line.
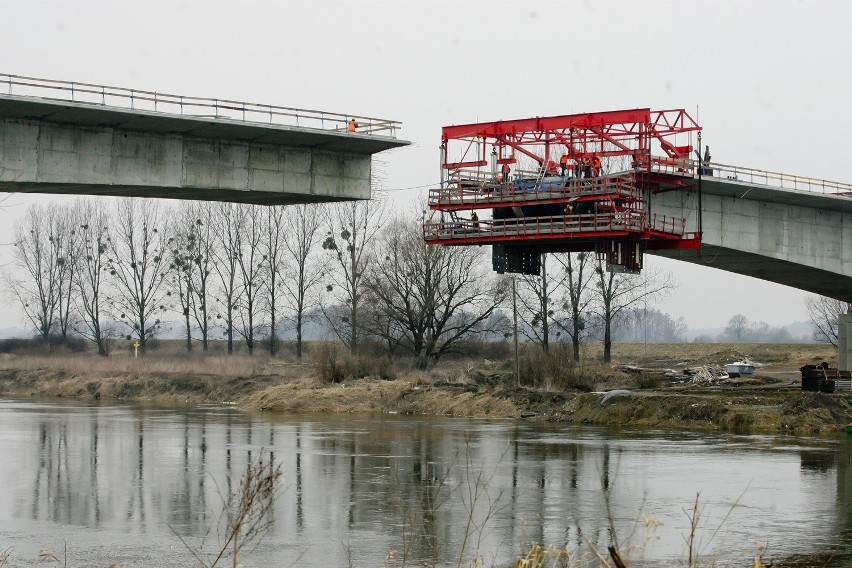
x: 355, y: 488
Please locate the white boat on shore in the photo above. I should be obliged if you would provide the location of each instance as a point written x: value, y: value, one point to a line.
x: 744, y: 368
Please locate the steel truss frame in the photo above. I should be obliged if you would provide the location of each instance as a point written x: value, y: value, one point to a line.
x: 602, y: 134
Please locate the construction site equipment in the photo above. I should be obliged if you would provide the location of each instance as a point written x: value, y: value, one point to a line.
x: 513, y: 168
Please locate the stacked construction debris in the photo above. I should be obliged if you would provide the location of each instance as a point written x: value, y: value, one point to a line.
x: 824, y: 378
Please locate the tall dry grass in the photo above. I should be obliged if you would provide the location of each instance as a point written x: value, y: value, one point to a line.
x: 238, y: 365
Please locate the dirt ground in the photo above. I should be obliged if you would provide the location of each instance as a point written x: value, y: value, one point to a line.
x: 660, y: 393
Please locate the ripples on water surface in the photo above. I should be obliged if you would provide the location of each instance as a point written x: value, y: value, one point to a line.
x: 117, y: 482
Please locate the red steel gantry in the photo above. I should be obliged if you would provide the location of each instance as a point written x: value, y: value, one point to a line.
x: 571, y: 183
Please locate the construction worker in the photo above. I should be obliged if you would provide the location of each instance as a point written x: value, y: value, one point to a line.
x: 351, y: 125
x: 596, y: 166
x: 505, y: 169
x: 475, y: 218
x: 587, y: 167
x: 563, y: 163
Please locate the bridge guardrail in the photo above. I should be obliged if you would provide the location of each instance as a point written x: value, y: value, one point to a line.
x: 199, y: 107
x: 784, y: 181
x: 753, y: 176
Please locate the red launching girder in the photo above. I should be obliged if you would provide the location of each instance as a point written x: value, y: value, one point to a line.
x: 602, y: 134
x: 563, y: 194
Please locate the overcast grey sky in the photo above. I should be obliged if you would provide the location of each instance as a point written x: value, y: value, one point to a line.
x: 768, y: 80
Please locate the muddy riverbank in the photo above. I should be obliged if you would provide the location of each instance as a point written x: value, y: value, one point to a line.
x: 660, y: 394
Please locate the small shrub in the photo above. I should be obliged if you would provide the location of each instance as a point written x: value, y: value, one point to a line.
x: 742, y: 423
x: 368, y: 366
x: 334, y: 365
x: 553, y: 369
x: 326, y: 359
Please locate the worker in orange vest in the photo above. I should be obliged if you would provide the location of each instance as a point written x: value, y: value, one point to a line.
x: 596, y: 166
x: 563, y: 163
x: 505, y: 171
x: 352, y: 125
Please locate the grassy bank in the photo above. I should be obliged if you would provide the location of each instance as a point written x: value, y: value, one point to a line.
x: 659, y: 397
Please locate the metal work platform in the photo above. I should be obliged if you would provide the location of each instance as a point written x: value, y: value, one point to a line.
x: 623, y: 225
x: 472, y: 192
x: 567, y: 183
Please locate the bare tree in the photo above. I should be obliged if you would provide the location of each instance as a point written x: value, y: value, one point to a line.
x: 181, y: 264
x: 67, y: 248
x: 615, y: 291
x: 200, y: 215
x: 190, y: 250
x: 275, y: 226
x: 737, y: 327
x: 93, y: 222
x: 432, y: 296
x: 251, y: 267
x: 823, y: 313
x: 228, y: 241
x: 650, y: 325
x: 578, y: 277
x: 351, y: 229
x: 137, y: 261
x: 36, y: 254
x: 538, y: 304
x: 303, y: 272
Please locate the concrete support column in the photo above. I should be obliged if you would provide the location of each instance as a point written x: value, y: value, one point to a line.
x: 844, y: 340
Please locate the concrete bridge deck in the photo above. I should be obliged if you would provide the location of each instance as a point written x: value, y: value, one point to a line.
x: 799, y: 238
x: 170, y: 146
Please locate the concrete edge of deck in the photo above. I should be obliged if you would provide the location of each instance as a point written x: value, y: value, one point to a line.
x: 90, y: 115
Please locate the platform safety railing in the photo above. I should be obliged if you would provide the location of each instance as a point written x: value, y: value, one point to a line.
x: 472, y: 188
x: 197, y: 107
x: 629, y: 221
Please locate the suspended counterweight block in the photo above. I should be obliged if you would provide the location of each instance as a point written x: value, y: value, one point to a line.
x: 516, y: 259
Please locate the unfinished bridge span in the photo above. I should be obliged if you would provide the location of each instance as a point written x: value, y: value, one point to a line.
x: 77, y: 138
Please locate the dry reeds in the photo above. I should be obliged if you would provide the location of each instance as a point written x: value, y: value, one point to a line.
x: 245, y: 513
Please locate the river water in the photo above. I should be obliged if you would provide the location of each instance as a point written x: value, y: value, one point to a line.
x: 141, y: 486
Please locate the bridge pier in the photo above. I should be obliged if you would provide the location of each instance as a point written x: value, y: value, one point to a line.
x: 844, y: 340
